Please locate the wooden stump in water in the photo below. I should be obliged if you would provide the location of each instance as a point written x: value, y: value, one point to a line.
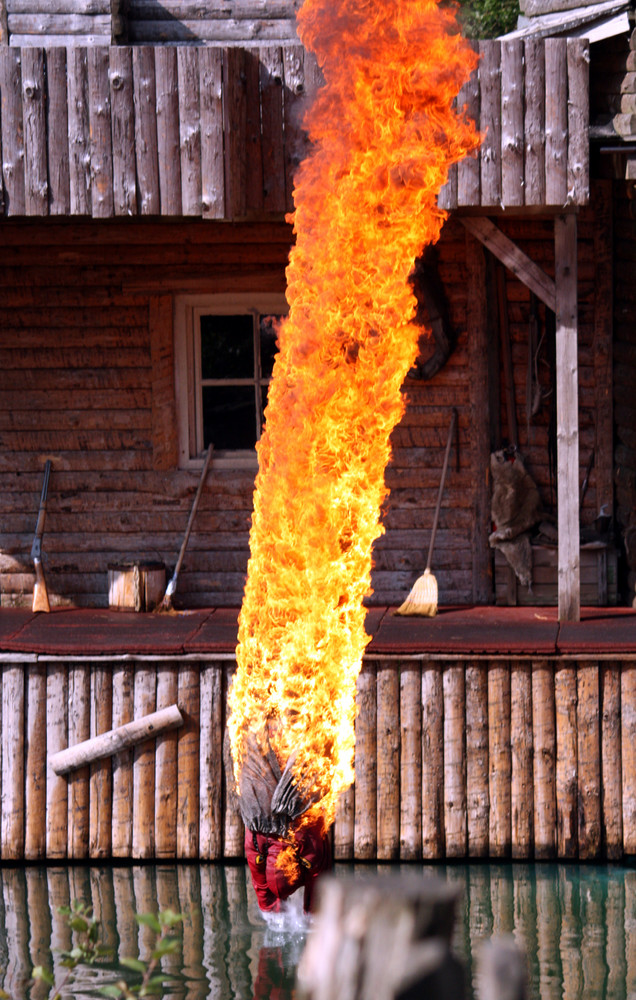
x: 376, y: 939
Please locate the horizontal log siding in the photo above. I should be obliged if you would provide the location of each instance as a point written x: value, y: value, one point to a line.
x: 574, y: 720
x: 85, y: 350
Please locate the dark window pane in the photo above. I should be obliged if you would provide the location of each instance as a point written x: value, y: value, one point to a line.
x: 268, y: 332
x: 229, y: 416
x: 227, y: 347
x: 264, y: 389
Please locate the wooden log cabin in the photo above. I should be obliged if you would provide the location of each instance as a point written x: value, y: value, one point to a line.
x: 148, y: 154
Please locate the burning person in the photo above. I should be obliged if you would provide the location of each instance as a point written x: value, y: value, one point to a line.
x: 286, y: 845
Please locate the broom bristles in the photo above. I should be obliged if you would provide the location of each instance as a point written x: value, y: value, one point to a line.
x: 423, y: 597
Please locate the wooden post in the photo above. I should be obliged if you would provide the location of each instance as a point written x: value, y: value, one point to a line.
x: 432, y: 760
x: 79, y: 726
x: 234, y: 830
x: 556, y: 122
x: 388, y: 761
x: 234, y: 123
x: 534, y: 125
x: 368, y: 931
x: 589, y: 760
x: 343, y: 831
x: 101, y: 148
x: 143, y: 827
x: 188, y: 764
x: 211, y: 763
x: 468, y: 169
x: 455, y: 761
x: 490, y: 123
x: 33, y: 109
x: 499, y: 759
x: 611, y: 776
x: 167, y: 94
x: 365, y: 829
x: 144, y: 86
x: 78, y: 131
x: 101, y: 774
x: 603, y: 345
x: 122, y: 764
x: 628, y: 755
x: 479, y: 432
x: 578, y: 112
x: 123, y: 125
x: 212, y: 166
x: 56, y: 739
x: 477, y: 795
x: 56, y: 107
x: 271, y: 85
x: 411, y: 761
x: 35, y: 776
x: 512, y: 139
x: 521, y: 798
x: 565, y: 250
x: 566, y: 760
x: 12, y: 131
x: 166, y: 767
x: 189, y: 129
x: 544, y: 759
x: 12, y: 825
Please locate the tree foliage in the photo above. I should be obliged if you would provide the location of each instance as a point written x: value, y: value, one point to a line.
x: 487, y: 18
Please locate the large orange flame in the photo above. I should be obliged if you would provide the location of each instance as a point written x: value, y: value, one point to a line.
x: 383, y: 133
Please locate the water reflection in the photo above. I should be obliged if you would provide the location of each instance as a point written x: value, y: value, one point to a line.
x: 576, y: 923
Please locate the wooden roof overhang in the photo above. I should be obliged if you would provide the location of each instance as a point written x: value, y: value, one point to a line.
x: 214, y: 133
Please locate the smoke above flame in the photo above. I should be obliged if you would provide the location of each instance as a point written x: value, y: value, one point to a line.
x: 383, y: 135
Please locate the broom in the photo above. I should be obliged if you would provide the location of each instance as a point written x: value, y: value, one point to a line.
x: 166, y: 604
x: 423, y: 597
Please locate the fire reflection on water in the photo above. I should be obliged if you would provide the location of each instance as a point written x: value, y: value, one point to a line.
x: 577, y: 924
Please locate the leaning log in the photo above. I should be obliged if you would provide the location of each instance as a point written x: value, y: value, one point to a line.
x: 118, y: 739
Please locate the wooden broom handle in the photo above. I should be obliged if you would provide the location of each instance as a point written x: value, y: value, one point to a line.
x: 441, y: 487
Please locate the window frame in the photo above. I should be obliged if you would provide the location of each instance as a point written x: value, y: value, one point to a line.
x: 187, y: 366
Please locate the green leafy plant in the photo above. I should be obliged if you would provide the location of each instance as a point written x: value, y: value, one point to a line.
x: 152, y: 978
x: 86, y: 950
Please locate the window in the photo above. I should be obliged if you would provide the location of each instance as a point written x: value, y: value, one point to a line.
x: 224, y: 354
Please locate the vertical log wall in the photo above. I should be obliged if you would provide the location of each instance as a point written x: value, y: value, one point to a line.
x: 475, y: 758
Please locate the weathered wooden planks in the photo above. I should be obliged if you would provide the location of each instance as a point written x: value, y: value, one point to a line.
x: 455, y: 759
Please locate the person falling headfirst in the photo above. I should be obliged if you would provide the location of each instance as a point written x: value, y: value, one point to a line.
x: 285, y: 849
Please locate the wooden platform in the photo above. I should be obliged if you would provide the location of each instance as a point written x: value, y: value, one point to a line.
x: 477, y: 631
x: 483, y: 732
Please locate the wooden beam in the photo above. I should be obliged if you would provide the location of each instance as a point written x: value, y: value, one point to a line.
x: 565, y: 247
x: 107, y: 744
x: 602, y: 346
x: 479, y: 430
x: 515, y: 259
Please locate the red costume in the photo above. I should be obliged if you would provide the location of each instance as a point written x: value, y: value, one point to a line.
x: 271, y: 883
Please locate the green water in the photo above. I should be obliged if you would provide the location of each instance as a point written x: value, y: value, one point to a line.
x: 577, y: 924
